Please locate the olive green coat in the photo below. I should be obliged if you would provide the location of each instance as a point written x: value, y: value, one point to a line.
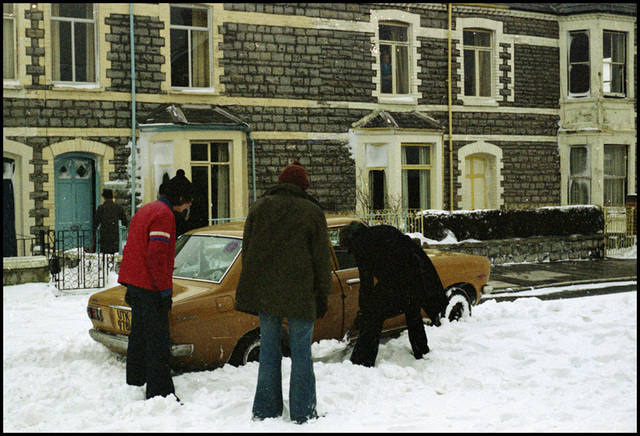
x: 286, y: 255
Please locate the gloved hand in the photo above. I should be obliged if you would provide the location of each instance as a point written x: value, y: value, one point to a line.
x: 166, y: 300
x: 321, y: 307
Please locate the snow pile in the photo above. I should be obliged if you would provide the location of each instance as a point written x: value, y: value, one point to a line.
x: 528, y: 365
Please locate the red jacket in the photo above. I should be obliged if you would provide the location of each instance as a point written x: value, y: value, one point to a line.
x: 148, y: 256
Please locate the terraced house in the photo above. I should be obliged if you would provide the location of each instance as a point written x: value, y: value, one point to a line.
x: 387, y: 105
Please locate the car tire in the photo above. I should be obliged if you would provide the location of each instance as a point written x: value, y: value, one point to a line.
x: 459, y: 305
x: 248, y: 348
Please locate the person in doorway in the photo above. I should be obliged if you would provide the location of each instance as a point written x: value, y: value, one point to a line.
x: 146, y: 271
x: 407, y: 283
x: 286, y: 273
x: 106, y: 218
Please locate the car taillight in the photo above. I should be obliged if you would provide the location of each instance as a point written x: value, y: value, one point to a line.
x: 94, y: 313
x: 482, y: 276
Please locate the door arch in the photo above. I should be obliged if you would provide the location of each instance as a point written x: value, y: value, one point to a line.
x: 480, y: 176
x: 75, y: 188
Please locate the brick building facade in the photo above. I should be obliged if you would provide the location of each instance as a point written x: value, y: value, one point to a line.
x: 359, y: 93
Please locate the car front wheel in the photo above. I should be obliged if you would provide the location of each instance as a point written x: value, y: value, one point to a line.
x: 459, y: 305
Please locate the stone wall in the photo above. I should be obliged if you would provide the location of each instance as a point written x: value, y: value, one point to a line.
x: 20, y: 270
x: 533, y: 249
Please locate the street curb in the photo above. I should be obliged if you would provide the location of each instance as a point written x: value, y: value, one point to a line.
x: 563, y: 294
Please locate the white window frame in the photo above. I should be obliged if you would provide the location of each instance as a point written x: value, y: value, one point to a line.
x: 190, y: 29
x: 412, y: 21
x: 10, y: 17
x: 94, y: 21
x: 209, y: 164
x: 479, y: 79
x: 587, y: 93
x: 622, y: 64
x: 418, y: 167
x: 582, y: 178
x: 612, y: 177
x: 497, y: 37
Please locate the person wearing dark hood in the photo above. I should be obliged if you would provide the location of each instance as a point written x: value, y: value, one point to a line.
x: 286, y: 273
x: 106, y: 217
x: 182, y: 217
x: 407, y: 283
x: 147, y: 271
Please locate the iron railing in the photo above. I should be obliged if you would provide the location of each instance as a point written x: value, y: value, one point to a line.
x: 620, y: 228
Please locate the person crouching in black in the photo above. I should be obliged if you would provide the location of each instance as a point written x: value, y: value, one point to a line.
x: 407, y: 282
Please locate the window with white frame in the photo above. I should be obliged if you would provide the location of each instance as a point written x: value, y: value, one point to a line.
x: 614, y: 63
x: 579, y: 64
x: 416, y: 176
x: 615, y: 175
x: 579, y: 175
x: 394, y: 58
x: 210, y: 166
x: 190, y: 47
x: 478, y: 61
x: 73, y: 40
x: 9, y: 61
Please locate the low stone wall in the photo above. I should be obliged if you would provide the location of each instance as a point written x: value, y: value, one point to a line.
x: 533, y: 249
x: 24, y: 269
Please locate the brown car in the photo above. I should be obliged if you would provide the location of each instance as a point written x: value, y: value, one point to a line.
x: 206, y: 331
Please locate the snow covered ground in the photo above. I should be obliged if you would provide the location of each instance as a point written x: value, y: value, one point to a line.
x: 528, y: 365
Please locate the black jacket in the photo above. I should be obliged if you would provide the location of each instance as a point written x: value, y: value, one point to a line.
x: 107, y: 217
x: 404, y: 272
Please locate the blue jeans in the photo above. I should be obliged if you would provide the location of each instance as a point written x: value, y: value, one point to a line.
x: 302, y: 388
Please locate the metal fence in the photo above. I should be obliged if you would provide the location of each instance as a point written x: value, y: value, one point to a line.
x: 620, y: 228
x: 74, y: 256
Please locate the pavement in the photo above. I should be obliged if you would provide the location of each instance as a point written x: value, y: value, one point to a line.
x: 515, y: 278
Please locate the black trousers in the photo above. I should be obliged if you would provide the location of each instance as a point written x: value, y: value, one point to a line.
x: 385, y: 303
x: 149, y: 348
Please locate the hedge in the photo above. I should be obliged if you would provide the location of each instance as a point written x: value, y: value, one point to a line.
x: 507, y: 224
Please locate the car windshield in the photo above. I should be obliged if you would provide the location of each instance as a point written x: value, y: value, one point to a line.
x: 205, y: 257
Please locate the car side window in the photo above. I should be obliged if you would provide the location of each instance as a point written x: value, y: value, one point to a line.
x: 344, y: 258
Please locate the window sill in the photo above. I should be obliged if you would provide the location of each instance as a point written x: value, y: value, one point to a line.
x: 76, y: 86
x: 398, y: 99
x: 11, y: 84
x: 209, y: 91
x: 481, y: 102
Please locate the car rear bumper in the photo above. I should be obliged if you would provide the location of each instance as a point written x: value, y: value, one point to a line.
x: 119, y: 343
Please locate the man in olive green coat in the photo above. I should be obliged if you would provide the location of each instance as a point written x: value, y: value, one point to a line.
x: 286, y: 273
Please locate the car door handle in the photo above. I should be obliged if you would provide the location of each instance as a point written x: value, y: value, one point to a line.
x: 353, y: 281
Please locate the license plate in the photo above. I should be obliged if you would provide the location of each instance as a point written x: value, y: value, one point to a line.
x: 123, y: 319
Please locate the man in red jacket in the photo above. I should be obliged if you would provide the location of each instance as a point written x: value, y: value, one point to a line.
x: 147, y: 270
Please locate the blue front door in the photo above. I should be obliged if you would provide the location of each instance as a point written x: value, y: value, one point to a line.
x: 75, y: 180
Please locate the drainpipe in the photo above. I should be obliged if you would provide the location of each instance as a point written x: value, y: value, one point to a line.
x: 450, y: 113
x: 133, y: 113
x: 253, y: 163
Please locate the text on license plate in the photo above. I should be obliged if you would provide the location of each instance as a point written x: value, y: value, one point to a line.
x: 123, y: 319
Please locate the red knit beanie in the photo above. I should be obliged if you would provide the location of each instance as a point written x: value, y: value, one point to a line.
x: 296, y: 174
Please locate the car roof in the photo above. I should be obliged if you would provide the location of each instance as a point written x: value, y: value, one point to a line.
x: 235, y: 227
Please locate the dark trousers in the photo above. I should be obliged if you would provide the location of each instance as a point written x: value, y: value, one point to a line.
x: 377, y: 309
x: 149, y: 349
